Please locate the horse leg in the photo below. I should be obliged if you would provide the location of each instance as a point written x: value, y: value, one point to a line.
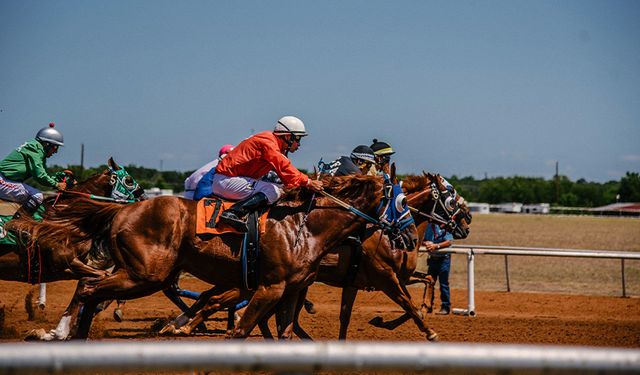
x: 68, y: 324
x: 425, y: 308
x: 118, y: 314
x: 263, y: 301
x: 209, y: 302
x: 297, y: 328
x: 86, y: 318
x: 399, y: 294
x: 117, y: 285
x: 42, y: 296
x: 346, y: 307
x: 285, y: 313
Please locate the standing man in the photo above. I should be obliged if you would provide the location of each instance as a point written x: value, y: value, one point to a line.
x: 238, y: 176
x: 436, y: 238
x: 26, y: 161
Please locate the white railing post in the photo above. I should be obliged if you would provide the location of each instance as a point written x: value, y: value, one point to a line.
x: 471, y: 301
x: 42, y: 296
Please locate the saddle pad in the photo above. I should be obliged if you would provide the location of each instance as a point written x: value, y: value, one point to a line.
x: 207, y: 208
x: 8, y: 208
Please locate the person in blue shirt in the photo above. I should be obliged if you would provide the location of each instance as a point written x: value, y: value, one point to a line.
x: 436, y: 238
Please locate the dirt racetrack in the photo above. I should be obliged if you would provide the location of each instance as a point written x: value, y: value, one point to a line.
x: 535, y: 318
x: 576, y: 301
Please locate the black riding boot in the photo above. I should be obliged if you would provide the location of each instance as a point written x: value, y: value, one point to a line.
x: 234, y: 216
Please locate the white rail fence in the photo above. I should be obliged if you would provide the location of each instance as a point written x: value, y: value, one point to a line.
x: 472, y: 250
x: 309, y: 357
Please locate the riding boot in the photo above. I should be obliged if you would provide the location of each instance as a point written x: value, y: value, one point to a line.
x: 234, y: 216
x: 27, y: 209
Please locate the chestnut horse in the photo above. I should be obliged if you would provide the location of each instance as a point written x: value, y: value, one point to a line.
x: 152, y: 241
x: 64, y: 255
x: 381, y: 267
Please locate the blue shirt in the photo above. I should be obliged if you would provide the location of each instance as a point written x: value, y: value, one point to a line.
x: 436, y: 234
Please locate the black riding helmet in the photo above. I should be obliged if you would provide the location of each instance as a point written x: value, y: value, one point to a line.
x: 363, y: 153
x: 382, y: 151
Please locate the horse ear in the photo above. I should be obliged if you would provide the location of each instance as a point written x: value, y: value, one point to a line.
x: 393, y: 173
x: 113, y: 164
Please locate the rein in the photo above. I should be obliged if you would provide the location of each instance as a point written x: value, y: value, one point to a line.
x: 354, y: 210
x: 98, y: 197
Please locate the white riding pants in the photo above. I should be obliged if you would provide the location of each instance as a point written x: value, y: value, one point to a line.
x: 238, y: 188
x: 19, y: 192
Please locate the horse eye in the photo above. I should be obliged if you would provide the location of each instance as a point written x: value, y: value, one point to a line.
x: 128, y: 181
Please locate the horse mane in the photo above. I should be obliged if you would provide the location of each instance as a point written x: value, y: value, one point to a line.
x: 86, y: 216
x: 28, y: 231
x: 412, y: 184
x: 343, y: 187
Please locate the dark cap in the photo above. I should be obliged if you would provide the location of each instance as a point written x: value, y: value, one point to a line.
x: 381, y: 148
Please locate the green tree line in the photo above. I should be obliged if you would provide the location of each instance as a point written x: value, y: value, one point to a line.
x: 561, y: 191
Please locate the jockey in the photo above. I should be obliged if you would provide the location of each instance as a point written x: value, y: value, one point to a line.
x: 383, y: 152
x: 361, y: 160
x: 238, y: 176
x: 191, y: 182
x: 29, y: 160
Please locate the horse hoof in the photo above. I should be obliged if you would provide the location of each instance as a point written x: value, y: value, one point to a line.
x: 377, y: 321
x: 432, y: 336
x: 37, y: 335
x: 117, y: 315
x: 169, y: 329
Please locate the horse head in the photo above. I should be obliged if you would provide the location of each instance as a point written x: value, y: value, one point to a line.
x: 437, y: 202
x: 114, y: 182
x: 380, y: 201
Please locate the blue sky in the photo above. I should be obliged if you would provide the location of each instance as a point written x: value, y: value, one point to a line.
x: 467, y: 88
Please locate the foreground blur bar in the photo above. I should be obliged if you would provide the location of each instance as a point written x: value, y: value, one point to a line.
x: 308, y: 357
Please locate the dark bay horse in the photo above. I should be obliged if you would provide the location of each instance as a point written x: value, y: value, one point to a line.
x: 152, y: 241
x: 381, y: 267
x: 61, y: 254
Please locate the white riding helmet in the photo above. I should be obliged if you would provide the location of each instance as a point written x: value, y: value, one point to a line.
x: 290, y: 125
x: 50, y: 135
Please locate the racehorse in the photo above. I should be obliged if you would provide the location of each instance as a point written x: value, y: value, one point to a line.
x: 379, y: 266
x: 46, y: 254
x: 152, y: 241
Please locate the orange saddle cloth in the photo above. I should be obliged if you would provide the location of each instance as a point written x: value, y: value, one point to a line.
x: 207, y: 214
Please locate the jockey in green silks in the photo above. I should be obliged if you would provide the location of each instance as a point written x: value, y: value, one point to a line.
x: 29, y: 161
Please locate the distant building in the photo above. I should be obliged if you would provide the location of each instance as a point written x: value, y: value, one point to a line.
x: 156, y: 192
x: 479, y: 208
x: 538, y: 208
x: 508, y: 208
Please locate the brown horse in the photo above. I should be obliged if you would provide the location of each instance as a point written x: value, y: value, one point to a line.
x: 152, y: 241
x: 61, y: 254
x: 66, y: 255
x: 381, y: 266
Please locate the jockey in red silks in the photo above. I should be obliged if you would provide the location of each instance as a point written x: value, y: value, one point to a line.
x: 238, y: 175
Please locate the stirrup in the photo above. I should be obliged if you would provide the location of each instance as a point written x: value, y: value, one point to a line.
x: 234, y: 221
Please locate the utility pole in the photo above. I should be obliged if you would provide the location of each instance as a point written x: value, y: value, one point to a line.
x: 81, y: 161
x: 557, y: 177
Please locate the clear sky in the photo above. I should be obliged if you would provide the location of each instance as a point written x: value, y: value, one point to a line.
x: 467, y: 87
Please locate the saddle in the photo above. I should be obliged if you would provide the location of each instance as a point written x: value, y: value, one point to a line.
x: 207, y: 213
x: 8, y: 208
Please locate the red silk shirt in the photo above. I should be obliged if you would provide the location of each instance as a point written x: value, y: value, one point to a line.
x: 257, y: 155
